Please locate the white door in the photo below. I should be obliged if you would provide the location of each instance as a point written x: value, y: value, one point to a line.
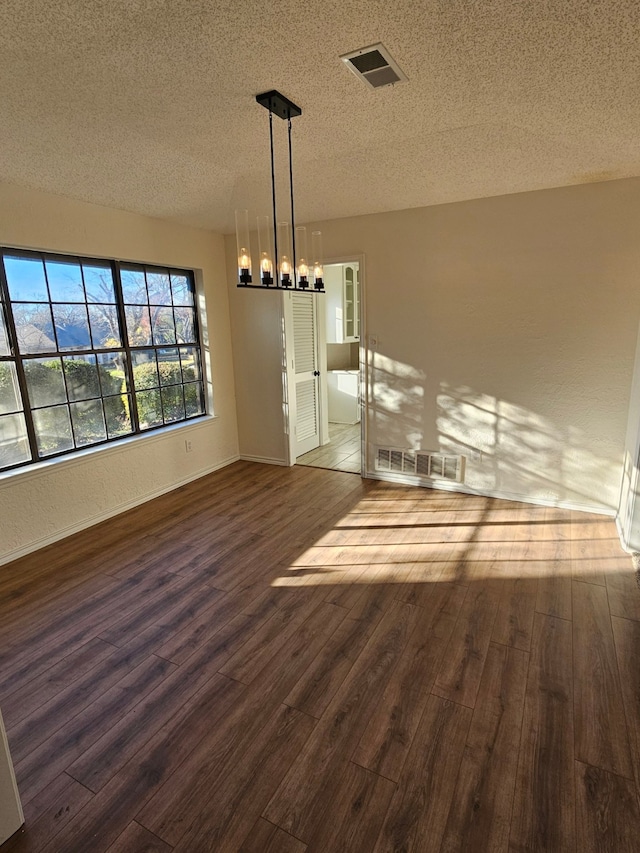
x: 305, y: 372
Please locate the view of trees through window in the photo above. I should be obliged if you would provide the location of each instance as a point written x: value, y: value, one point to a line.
x: 91, y: 351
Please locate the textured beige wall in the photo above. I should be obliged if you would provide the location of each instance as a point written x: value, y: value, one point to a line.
x: 629, y: 511
x: 507, y: 326
x: 506, y: 330
x: 257, y: 333
x: 44, y: 503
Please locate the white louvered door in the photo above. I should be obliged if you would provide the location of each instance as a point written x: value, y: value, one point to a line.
x: 305, y: 368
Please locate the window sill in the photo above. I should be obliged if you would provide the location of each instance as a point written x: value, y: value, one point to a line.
x: 37, y: 469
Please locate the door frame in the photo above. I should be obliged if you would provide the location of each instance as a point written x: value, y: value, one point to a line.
x: 289, y: 377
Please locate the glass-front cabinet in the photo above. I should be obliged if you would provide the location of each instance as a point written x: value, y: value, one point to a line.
x: 351, y: 302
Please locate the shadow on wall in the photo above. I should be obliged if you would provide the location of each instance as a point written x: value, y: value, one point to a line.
x: 397, y: 401
x: 512, y: 449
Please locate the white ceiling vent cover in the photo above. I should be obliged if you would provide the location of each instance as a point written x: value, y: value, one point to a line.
x: 374, y: 65
x: 434, y: 466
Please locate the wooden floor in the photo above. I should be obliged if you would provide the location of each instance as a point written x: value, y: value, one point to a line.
x: 341, y: 454
x: 277, y: 660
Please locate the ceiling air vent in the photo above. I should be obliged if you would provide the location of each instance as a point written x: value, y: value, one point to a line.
x: 374, y: 65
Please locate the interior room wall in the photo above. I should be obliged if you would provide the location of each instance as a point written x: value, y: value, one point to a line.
x: 258, y: 346
x: 506, y: 330
x: 629, y: 510
x: 45, y: 502
x: 342, y: 356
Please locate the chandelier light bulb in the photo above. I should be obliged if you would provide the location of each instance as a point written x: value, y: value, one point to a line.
x: 244, y: 247
x: 316, y: 254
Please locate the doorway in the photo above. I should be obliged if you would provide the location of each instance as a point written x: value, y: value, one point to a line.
x: 341, y: 453
x: 336, y: 341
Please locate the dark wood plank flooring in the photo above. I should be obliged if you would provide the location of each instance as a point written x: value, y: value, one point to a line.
x: 280, y: 660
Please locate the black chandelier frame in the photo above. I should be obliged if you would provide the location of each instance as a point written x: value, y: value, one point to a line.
x: 279, y: 105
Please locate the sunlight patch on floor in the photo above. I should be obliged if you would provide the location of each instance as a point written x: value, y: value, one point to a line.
x: 405, y: 542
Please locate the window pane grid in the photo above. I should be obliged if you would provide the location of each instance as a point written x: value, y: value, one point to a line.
x: 102, y: 350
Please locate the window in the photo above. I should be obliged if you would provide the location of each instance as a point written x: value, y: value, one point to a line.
x: 92, y: 351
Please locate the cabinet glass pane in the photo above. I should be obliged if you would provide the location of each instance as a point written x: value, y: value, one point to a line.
x: 349, y: 303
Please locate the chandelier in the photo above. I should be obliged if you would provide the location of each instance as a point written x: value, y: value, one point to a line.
x: 284, y: 261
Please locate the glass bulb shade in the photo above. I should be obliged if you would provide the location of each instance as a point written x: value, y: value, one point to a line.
x: 302, y: 265
x: 301, y: 245
x: 316, y: 253
x: 285, y: 251
x: 265, y: 249
x: 244, y: 246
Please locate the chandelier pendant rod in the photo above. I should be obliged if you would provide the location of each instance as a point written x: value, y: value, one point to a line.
x: 293, y: 220
x: 276, y: 268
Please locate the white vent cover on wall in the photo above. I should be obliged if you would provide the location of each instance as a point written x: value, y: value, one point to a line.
x: 434, y: 466
x: 374, y: 66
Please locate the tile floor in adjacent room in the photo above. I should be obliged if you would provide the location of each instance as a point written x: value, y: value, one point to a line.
x: 341, y: 454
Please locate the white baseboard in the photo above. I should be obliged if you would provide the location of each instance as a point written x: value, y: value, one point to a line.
x: 626, y: 546
x: 63, y: 532
x: 402, y: 479
x: 266, y: 460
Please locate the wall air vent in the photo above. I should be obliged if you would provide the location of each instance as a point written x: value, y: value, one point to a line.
x: 424, y: 464
x: 374, y: 66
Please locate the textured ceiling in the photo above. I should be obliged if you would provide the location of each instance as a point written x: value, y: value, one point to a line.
x: 148, y: 105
